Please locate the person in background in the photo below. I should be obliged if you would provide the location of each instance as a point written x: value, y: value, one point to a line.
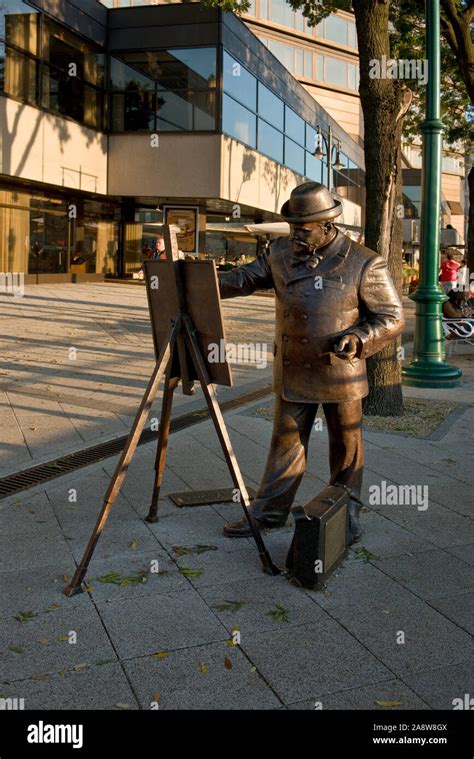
x: 462, y: 277
x: 160, y: 248
x: 448, y: 273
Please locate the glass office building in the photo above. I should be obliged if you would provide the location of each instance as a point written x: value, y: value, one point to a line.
x: 114, y: 118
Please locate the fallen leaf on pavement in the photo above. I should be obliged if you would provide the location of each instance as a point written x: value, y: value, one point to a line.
x: 16, y: 649
x: 382, y: 702
x: 40, y: 677
x: 227, y: 663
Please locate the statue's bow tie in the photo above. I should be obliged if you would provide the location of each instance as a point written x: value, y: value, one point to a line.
x: 311, y: 261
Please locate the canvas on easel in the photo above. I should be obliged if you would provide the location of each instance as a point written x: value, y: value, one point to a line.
x: 186, y: 319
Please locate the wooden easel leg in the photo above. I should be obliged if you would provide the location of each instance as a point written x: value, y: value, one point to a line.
x: 223, y: 435
x: 75, y: 586
x: 163, y: 434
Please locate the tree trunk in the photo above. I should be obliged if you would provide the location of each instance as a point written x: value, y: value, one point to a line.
x: 470, y: 222
x: 384, y: 104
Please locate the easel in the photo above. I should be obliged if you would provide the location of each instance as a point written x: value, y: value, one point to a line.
x: 178, y: 358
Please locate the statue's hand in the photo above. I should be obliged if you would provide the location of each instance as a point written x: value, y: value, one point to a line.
x: 348, y: 345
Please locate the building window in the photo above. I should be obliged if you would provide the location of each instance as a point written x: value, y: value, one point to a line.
x: 294, y: 156
x: 270, y: 141
x: 270, y: 107
x: 167, y: 90
x: 294, y: 126
x: 73, y: 76
x: 339, y: 30
x: 239, y: 82
x: 238, y: 121
x: 337, y: 72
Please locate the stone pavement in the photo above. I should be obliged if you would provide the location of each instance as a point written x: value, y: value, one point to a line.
x: 392, y: 630
x: 75, y: 361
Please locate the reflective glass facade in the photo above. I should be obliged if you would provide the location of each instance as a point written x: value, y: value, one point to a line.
x: 44, y: 64
x: 257, y: 117
x: 164, y: 90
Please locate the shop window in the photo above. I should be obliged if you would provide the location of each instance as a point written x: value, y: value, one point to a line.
x: 185, y: 111
x: 270, y: 141
x: 238, y: 122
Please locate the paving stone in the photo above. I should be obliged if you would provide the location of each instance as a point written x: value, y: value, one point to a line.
x: 459, y: 608
x: 130, y: 568
x: 368, y: 697
x: 94, y: 687
x: 356, y: 585
x: 117, y: 540
x: 439, y: 687
x: 383, y: 537
x: 431, y: 574
x: 261, y: 596
x: 430, y: 639
x: 465, y: 553
x: 243, y: 562
x: 176, y: 620
x: 193, y: 526
x: 40, y: 658
x: 437, y: 524
x: 36, y: 589
x: 200, y: 678
x: 27, y: 514
x: 328, y: 659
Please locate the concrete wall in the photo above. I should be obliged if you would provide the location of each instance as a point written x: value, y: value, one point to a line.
x: 44, y: 148
x: 182, y: 166
x: 250, y: 178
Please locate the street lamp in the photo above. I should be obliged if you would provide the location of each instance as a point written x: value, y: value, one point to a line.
x: 428, y: 367
x: 330, y: 144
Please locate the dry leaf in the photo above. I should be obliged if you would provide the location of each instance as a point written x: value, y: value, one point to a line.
x: 80, y: 667
x: 62, y: 672
x: 122, y: 706
x: 64, y: 637
x: 40, y: 677
x: 133, y: 545
x: 54, y: 606
x: 44, y: 641
x: 203, y: 668
x: 381, y: 702
x: 66, y: 578
x: 253, y: 669
x: 156, y: 696
x: 160, y: 655
x: 227, y: 663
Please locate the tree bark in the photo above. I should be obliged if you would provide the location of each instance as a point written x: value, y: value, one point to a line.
x: 384, y: 104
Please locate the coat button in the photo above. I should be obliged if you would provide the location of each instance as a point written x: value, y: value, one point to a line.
x: 305, y: 340
x: 285, y: 338
x: 307, y: 366
x: 286, y: 362
x: 304, y: 316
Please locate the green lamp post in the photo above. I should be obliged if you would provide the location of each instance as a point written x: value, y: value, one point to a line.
x: 428, y: 367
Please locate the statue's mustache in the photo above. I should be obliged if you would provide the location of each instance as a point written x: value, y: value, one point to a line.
x: 302, y: 242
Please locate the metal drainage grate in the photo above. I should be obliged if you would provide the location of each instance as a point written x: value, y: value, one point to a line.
x: 29, y: 478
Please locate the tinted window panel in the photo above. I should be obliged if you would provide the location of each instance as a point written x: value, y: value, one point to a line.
x: 294, y: 156
x: 336, y: 29
x: 175, y: 69
x: 294, y: 126
x: 314, y: 168
x: 270, y: 107
x: 238, y: 122
x: 239, y: 83
x: 19, y: 25
x: 270, y: 141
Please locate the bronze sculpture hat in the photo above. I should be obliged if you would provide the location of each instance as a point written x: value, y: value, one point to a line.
x: 310, y: 201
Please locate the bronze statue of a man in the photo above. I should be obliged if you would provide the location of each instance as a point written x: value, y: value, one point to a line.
x: 335, y: 306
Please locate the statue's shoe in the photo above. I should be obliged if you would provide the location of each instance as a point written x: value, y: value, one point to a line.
x: 241, y: 528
